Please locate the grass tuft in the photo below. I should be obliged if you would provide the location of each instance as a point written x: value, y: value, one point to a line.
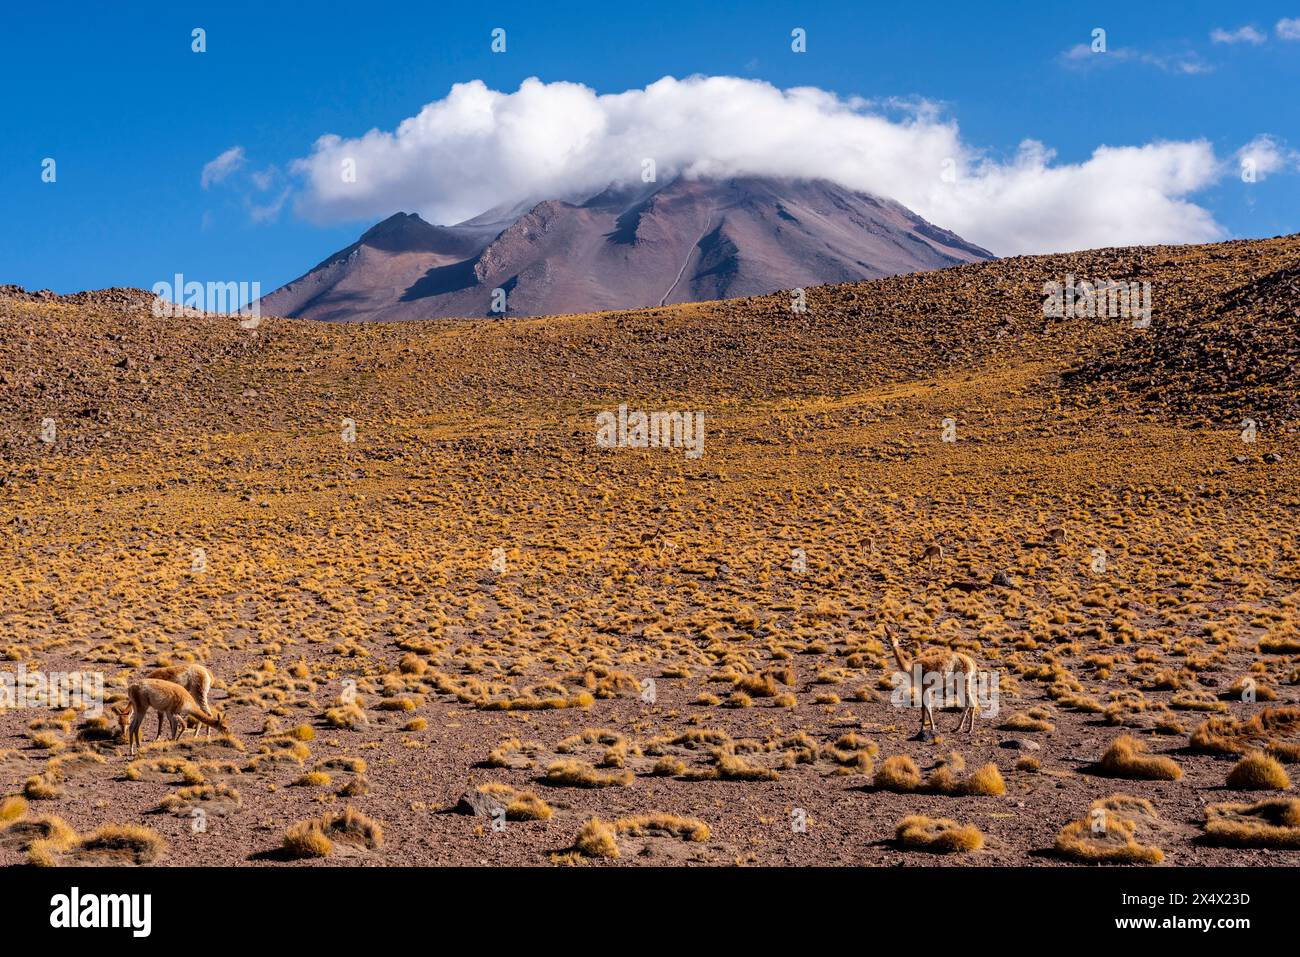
x: 1127, y: 758
x: 938, y: 835
x: 1258, y: 772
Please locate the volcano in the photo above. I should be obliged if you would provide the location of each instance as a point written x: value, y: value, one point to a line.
x: 623, y: 248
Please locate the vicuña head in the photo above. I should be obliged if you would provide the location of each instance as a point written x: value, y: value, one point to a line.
x: 220, y: 723
x: 123, y: 713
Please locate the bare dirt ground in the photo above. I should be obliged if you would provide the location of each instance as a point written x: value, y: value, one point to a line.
x: 690, y: 650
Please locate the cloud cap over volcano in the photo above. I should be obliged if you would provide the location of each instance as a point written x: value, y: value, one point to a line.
x: 479, y: 148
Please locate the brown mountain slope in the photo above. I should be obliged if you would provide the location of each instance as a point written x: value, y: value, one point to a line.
x: 688, y: 241
x: 1236, y: 350
x: 109, y: 371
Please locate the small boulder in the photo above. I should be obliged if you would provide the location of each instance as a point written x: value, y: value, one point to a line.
x: 479, y: 804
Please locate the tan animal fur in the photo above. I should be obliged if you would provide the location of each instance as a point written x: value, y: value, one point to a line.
x: 170, y: 700
x: 941, y: 662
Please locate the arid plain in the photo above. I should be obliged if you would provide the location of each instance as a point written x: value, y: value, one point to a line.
x: 643, y: 657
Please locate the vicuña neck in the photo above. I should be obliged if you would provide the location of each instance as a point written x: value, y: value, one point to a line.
x: 902, y: 660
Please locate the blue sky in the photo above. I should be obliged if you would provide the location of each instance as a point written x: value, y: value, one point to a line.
x: 131, y: 115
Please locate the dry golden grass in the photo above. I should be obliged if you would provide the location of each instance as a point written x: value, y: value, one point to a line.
x: 730, y: 767
x: 39, y: 787
x: 21, y: 832
x: 937, y: 835
x: 319, y: 837
x: 1109, y: 833
x: 12, y: 808
x: 44, y: 838
x: 668, y: 767
x: 1258, y: 772
x: 900, y: 773
x: 579, y: 774
x: 108, y: 845
x: 686, y: 828
x: 306, y: 839
x: 356, y: 786
x: 1270, y: 728
x: 1273, y: 823
x: 1027, y: 722
x: 1115, y: 845
x: 196, y: 795
x: 1126, y: 757
x: 518, y: 805
x: 599, y: 838
x: 985, y: 780
x: 350, y: 716
x: 187, y: 771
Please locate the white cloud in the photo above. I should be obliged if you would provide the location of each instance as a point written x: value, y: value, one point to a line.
x: 1288, y: 29
x: 1247, y: 34
x: 267, y: 212
x: 478, y: 148
x: 262, y: 192
x: 218, y: 169
x: 1265, y: 155
x: 264, y: 179
x: 1082, y: 56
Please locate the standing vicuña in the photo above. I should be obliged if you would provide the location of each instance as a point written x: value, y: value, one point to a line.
x: 194, y: 678
x: 935, y: 666
x: 933, y: 553
x: 170, y: 700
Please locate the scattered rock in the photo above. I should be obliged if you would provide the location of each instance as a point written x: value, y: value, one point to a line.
x: 479, y: 804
